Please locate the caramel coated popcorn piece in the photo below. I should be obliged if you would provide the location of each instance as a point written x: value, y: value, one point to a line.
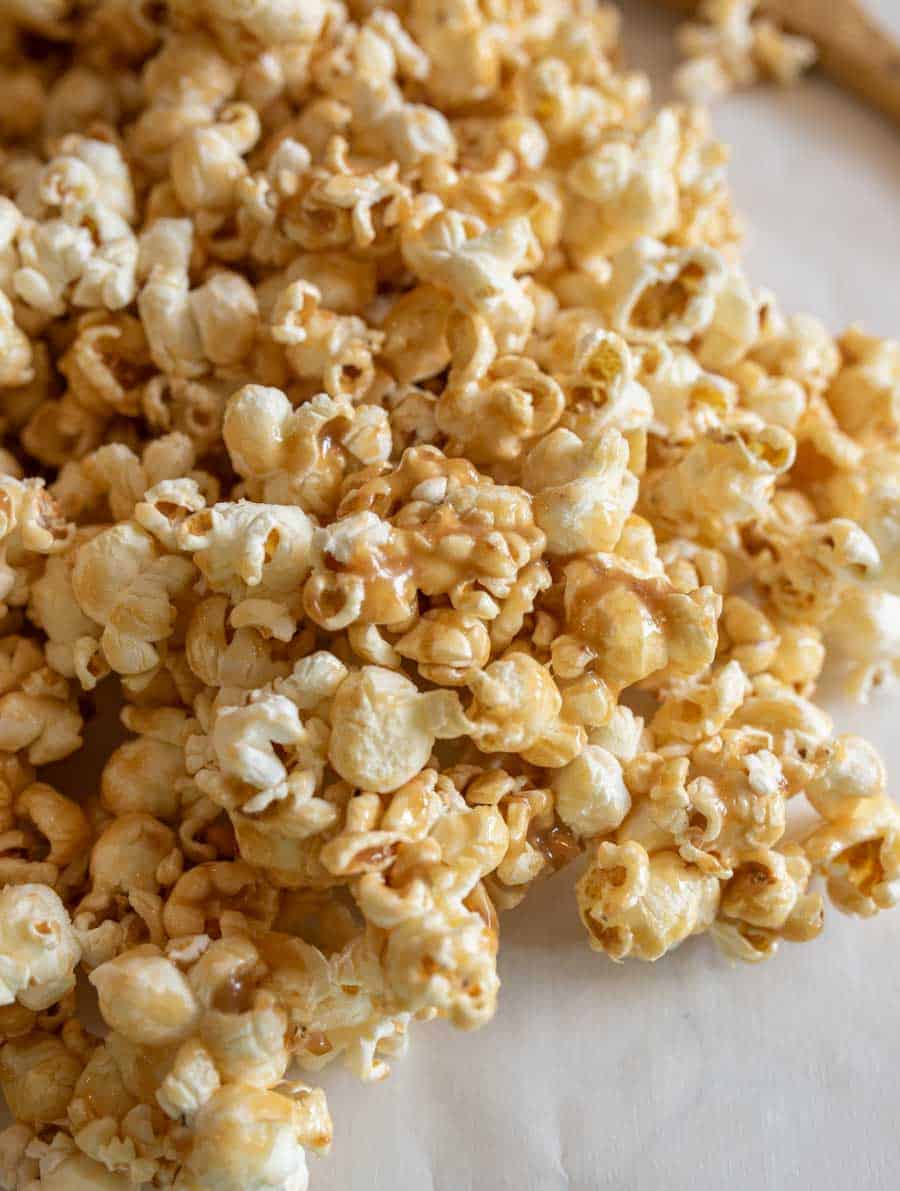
x: 38, y: 949
x: 734, y: 47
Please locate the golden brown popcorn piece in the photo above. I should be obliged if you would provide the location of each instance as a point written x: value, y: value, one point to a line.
x: 719, y: 483
x: 680, y: 295
x: 445, y: 961
x: 15, y: 349
x: 145, y: 997
x: 206, y: 894
x: 858, y: 851
x: 430, y: 524
x: 863, y: 395
x: 805, y: 576
x: 107, y: 363
x: 713, y: 805
x: 591, y: 795
x: 31, y: 526
x: 142, y: 776
x: 583, y: 492
x: 477, y: 265
x: 449, y: 647
x: 519, y: 709
x: 123, y: 580
x: 493, y: 416
x: 767, y: 901
x: 383, y: 729
x: 185, y: 85
x: 701, y: 708
x: 192, y: 407
x: 38, y: 946
x: 220, y: 651
x: 133, y: 861
x: 301, y: 456
x: 114, y: 478
x: 332, y: 350
x: 415, y: 343
x: 46, y: 837
x: 623, y: 189
x: 637, y: 905
x: 630, y: 626
x: 248, y: 1137
x: 733, y: 48
x: 38, y: 1076
x: 40, y: 717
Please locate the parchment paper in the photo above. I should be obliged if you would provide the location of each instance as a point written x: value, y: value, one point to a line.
x: 687, y: 1075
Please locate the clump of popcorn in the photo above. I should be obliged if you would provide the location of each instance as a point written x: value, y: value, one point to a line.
x: 734, y: 47
x: 383, y: 405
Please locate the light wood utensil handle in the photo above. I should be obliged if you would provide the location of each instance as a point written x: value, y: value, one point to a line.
x: 853, y: 49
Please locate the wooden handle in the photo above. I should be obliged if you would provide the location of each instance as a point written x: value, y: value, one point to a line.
x: 853, y: 49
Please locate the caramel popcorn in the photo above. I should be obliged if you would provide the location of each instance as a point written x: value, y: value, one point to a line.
x: 734, y: 47
x: 383, y: 411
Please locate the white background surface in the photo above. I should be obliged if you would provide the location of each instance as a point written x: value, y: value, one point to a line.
x: 687, y: 1075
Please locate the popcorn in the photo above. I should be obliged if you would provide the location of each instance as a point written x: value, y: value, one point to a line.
x: 807, y: 579
x: 865, y: 629
x: 864, y: 393
x: 637, y: 905
x: 449, y: 647
x: 591, y: 795
x: 730, y: 476
x: 17, y: 357
x: 859, y: 854
x: 127, y: 856
x: 383, y: 729
x: 598, y: 371
x: 30, y: 526
x: 679, y: 294
x: 621, y: 191
x: 445, y: 962
x: 145, y: 998
x: 734, y: 48
x: 246, y: 1138
x: 517, y: 705
x: 191, y: 1082
x: 77, y: 1172
x: 450, y: 529
x: 141, y: 776
x: 75, y: 244
x: 61, y: 822
x: 251, y: 27
x: 415, y: 343
x: 38, y: 1076
x: 403, y: 415
x: 491, y: 416
x: 627, y: 626
x: 207, y: 163
x: 220, y: 651
x: 40, y: 718
x: 38, y: 949
x: 477, y: 265
x: 583, y: 491
x: 124, y: 581
x: 769, y: 899
x: 244, y: 547
x: 302, y: 456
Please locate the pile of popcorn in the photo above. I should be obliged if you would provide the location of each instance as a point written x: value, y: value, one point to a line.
x: 386, y: 415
